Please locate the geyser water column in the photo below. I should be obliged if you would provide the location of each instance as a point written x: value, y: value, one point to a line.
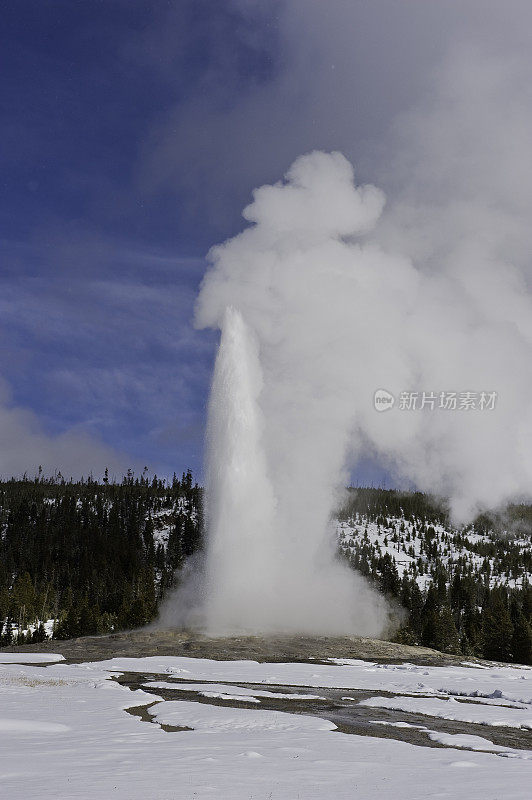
x: 281, y: 413
x: 240, y: 564
x: 259, y: 577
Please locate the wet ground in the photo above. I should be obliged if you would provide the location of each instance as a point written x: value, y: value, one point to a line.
x: 340, y: 706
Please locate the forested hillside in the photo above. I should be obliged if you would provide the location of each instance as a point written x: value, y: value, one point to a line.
x: 465, y: 590
x: 88, y: 557
x: 93, y: 557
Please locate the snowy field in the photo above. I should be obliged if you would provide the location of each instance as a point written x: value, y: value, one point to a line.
x: 65, y: 731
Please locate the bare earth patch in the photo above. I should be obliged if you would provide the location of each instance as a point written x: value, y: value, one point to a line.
x: 257, y: 648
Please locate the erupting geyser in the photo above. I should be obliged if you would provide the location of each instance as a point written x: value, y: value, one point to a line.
x: 261, y: 574
x: 277, y: 434
x: 240, y: 501
x: 315, y: 316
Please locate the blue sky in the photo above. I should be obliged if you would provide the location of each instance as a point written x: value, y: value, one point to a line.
x: 99, y: 273
x: 132, y: 135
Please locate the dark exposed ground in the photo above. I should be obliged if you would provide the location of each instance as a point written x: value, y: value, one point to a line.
x: 258, y: 648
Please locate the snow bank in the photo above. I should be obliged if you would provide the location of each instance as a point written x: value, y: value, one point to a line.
x: 29, y: 658
x: 75, y: 740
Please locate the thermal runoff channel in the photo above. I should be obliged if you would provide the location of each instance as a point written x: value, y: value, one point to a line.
x: 316, y: 313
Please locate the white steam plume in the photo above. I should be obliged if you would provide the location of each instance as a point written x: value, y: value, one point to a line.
x: 282, y: 407
x: 460, y: 211
x: 316, y: 316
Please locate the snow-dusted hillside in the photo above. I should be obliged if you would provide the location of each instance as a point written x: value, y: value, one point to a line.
x: 164, y: 519
x: 93, y: 557
x: 465, y: 590
x: 420, y: 549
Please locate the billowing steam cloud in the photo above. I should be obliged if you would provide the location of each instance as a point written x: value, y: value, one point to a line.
x: 332, y: 301
x: 316, y: 316
x: 460, y: 211
x: 282, y: 407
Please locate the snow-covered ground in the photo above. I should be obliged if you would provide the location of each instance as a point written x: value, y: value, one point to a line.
x: 514, y: 716
x: 28, y: 630
x: 65, y: 733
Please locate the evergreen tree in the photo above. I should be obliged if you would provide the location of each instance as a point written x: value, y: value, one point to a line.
x: 497, y: 628
x: 522, y: 640
x: 446, y: 636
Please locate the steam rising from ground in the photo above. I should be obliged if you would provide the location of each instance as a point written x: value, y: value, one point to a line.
x: 315, y: 316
